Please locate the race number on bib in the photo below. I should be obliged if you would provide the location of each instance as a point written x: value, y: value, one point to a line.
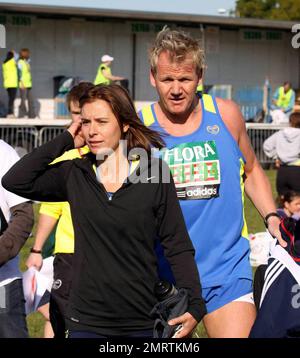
x: 195, y: 168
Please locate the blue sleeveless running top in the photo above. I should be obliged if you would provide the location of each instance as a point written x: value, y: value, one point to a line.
x: 208, y: 166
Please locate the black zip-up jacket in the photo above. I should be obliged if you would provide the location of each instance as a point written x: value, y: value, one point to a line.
x: 115, y: 266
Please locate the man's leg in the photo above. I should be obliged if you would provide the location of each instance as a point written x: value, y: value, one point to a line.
x: 231, y: 310
x: 22, y: 107
x: 12, y: 311
x: 31, y: 109
x: 11, y: 98
x: 44, y: 310
x: 233, y: 320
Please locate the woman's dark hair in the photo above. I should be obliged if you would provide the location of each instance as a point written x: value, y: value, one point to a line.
x: 9, y: 56
x: 138, y: 135
x: 288, y: 196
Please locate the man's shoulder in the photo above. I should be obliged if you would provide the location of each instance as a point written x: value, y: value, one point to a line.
x: 231, y: 116
x: 227, y: 104
x: 228, y: 107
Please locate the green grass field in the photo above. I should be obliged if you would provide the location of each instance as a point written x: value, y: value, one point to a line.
x: 255, y: 224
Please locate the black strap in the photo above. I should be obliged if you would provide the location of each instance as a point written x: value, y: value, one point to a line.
x: 268, y: 216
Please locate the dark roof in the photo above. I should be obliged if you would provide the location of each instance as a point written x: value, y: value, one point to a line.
x: 150, y: 16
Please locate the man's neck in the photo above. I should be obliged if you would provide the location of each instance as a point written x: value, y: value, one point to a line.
x: 182, y: 117
x: 180, y: 124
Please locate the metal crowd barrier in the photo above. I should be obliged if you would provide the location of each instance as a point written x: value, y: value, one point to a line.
x: 48, y: 133
x: 258, y: 133
x: 23, y: 139
x: 26, y: 135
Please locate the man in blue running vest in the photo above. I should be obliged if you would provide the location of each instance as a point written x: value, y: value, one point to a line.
x: 211, y: 159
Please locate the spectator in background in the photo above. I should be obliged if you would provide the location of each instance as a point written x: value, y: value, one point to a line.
x: 16, y: 221
x: 52, y: 214
x: 25, y: 85
x: 289, y: 205
x: 282, y: 103
x: 284, y: 147
x: 10, y: 80
x: 104, y: 75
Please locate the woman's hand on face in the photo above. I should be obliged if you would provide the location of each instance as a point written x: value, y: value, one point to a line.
x: 75, y: 131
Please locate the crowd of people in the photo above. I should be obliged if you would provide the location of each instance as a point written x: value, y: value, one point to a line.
x: 16, y: 72
x: 143, y: 197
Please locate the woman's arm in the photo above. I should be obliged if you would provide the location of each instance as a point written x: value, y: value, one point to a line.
x: 32, y: 177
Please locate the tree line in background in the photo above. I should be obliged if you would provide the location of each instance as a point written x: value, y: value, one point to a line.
x: 288, y: 10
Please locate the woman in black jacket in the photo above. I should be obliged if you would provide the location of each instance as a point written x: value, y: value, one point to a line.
x: 121, y: 200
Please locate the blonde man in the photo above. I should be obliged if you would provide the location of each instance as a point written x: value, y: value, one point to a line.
x: 211, y: 159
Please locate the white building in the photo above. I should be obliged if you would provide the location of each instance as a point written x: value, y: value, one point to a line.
x: 70, y: 41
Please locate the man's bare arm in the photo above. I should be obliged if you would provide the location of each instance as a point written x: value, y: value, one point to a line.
x: 257, y: 185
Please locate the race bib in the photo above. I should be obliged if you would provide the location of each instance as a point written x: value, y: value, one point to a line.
x: 195, y: 168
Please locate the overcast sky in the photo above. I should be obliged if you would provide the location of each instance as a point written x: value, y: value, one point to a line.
x: 206, y: 7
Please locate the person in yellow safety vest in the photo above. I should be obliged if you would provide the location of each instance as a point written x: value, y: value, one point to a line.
x: 283, y: 102
x: 25, y: 85
x: 10, y: 80
x: 104, y: 75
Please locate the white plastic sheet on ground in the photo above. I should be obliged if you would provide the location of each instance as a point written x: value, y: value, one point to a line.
x: 35, y: 284
x: 260, y: 246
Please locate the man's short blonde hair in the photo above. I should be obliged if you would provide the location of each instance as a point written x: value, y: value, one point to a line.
x: 179, y: 45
